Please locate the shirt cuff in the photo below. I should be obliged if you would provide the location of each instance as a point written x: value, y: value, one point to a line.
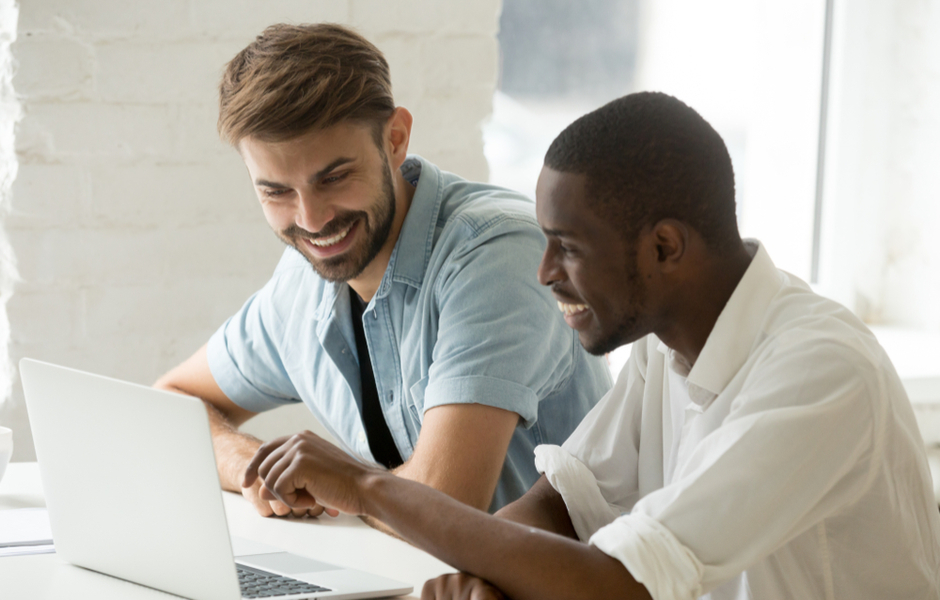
x: 653, y: 556
x: 488, y: 391
x: 578, y: 488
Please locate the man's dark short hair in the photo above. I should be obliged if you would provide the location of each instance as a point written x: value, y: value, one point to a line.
x: 647, y: 157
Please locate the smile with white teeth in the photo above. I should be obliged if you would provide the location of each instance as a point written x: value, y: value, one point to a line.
x: 334, y: 239
x: 571, y: 309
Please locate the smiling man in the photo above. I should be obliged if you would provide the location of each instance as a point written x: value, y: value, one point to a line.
x: 757, y: 445
x: 405, y: 313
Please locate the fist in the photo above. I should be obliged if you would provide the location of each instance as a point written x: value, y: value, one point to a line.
x: 460, y: 586
x: 269, y: 506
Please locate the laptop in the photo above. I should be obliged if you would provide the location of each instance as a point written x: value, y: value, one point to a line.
x: 132, y: 491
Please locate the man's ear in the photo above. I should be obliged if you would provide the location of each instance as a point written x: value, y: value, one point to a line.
x: 397, y: 136
x: 671, y: 239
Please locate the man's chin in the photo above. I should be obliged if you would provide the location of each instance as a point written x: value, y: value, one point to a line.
x: 339, y: 269
x: 599, y: 345
x: 340, y: 272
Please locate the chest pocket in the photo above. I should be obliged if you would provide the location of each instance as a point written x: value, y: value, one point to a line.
x: 417, y: 400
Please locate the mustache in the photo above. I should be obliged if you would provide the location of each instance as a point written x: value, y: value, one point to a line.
x: 336, y: 224
x: 559, y: 293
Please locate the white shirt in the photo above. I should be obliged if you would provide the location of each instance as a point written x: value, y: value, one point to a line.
x: 795, y: 469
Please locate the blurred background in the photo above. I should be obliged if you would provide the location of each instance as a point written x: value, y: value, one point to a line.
x: 130, y: 232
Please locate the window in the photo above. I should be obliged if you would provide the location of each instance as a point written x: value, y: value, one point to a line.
x: 752, y: 69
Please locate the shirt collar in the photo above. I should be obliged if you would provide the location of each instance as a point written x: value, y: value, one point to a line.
x: 331, y: 293
x: 731, y: 339
x: 409, y: 260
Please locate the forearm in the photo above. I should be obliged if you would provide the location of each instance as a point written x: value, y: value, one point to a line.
x: 411, y: 470
x: 521, y: 560
x: 233, y: 449
x: 525, y: 562
x: 380, y: 526
x: 472, y: 484
x: 541, y: 507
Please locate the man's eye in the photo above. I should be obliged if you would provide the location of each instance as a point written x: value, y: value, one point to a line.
x: 334, y: 178
x: 274, y: 192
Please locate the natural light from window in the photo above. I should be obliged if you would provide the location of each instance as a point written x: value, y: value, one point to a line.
x: 752, y: 69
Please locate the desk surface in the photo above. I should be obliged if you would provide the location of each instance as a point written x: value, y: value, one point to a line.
x: 344, y: 541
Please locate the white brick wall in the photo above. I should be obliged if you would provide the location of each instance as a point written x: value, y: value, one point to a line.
x: 135, y: 229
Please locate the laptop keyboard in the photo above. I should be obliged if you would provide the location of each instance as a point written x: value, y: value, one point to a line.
x: 256, y: 583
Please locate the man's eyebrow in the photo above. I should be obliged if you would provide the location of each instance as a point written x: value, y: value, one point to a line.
x: 316, y: 176
x: 326, y: 170
x: 270, y: 184
x: 556, y: 232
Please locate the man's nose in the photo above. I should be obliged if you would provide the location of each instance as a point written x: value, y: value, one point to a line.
x: 313, y: 213
x: 549, y: 272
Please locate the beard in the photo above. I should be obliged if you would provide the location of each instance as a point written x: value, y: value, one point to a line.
x: 633, y: 323
x: 376, y: 225
x: 626, y: 332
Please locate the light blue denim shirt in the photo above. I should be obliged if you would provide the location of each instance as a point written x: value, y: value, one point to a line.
x: 459, y: 317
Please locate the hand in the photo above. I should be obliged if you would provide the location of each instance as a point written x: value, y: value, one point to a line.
x: 460, y: 586
x: 268, y: 506
x: 304, y: 471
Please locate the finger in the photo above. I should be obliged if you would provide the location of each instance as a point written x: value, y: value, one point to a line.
x: 484, y: 592
x: 280, y: 509
x: 315, y: 511
x: 488, y: 591
x: 429, y: 591
x: 331, y: 511
x: 274, y: 465
x: 439, y: 588
x: 263, y: 508
x: 281, y: 480
x: 274, y: 457
x: 265, y: 494
x: 298, y: 512
x: 465, y: 587
x: 251, y: 473
x: 294, y: 484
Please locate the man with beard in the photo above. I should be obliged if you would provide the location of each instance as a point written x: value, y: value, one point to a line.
x: 405, y: 313
x: 757, y: 445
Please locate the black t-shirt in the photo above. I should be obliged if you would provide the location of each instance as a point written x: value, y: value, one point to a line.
x: 380, y: 438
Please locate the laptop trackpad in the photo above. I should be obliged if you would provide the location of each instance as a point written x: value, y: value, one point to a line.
x: 285, y: 562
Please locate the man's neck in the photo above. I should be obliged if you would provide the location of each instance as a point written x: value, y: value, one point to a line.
x: 367, y: 283
x: 703, y: 301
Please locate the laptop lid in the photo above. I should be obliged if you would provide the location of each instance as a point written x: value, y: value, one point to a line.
x: 130, y: 481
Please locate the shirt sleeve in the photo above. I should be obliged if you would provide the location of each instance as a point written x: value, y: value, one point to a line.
x: 501, y: 340
x: 607, y: 443
x: 796, y: 447
x: 244, y: 355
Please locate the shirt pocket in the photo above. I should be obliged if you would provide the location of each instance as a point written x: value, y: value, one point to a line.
x: 417, y: 400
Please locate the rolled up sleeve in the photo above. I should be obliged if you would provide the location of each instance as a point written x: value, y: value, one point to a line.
x: 501, y: 341
x: 587, y: 508
x: 244, y: 357
x: 653, y: 555
x: 792, y: 452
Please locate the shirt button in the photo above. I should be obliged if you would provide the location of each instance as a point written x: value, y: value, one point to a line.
x: 362, y: 437
x: 375, y: 315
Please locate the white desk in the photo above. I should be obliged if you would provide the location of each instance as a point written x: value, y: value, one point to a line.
x: 344, y: 541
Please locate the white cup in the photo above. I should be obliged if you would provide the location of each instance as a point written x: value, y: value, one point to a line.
x: 6, y: 448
